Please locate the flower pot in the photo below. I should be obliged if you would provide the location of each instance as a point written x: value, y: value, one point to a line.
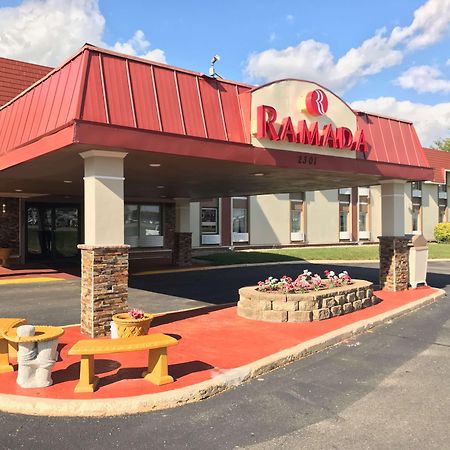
x: 4, y: 255
x: 128, y: 327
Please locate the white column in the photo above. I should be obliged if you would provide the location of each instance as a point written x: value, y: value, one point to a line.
x: 393, y: 208
x: 103, y: 197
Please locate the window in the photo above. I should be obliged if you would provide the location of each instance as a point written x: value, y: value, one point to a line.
x: 209, y: 221
x: 363, y: 217
x: 442, y: 202
x: 416, y: 192
x: 296, y: 217
x: 240, y: 219
x: 416, y: 207
x: 416, y: 189
x: 343, y: 218
x: 344, y: 213
x: 297, y: 205
x: 143, y: 225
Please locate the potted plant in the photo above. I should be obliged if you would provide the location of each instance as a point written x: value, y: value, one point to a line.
x: 135, y: 322
x: 4, y: 255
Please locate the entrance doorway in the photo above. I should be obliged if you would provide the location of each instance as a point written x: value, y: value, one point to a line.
x: 52, y: 231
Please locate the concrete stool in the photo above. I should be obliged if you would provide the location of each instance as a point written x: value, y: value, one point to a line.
x: 36, y: 354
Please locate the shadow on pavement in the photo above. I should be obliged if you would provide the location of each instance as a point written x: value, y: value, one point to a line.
x: 221, y: 286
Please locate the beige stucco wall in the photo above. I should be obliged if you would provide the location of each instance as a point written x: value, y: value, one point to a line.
x: 375, y: 213
x: 322, y: 217
x: 269, y: 219
x: 195, y: 223
x: 430, y: 209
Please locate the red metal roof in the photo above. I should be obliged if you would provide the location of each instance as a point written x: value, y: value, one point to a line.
x: 391, y: 140
x: 141, y: 94
x: 440, y: 162
x: 16, y: 76
x: 124, y: 92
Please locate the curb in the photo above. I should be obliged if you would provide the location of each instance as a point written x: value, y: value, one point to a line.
x: 223, y: 381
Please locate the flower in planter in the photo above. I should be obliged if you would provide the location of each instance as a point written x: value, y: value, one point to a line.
x: 345, y: 277
x: 305, y: 282
x: 136, y: 313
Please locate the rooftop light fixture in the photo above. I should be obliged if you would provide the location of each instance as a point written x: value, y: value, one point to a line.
x: 212, y: 69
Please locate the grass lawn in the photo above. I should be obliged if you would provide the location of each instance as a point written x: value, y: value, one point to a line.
x: 349, y: 253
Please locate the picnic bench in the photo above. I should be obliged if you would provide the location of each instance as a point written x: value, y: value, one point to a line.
x: 5, y: 325
x: 156, y: 344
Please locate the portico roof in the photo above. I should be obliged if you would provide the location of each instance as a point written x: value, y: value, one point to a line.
x: 197, y: 127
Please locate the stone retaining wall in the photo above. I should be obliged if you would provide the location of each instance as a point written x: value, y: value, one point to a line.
x: 315, y: 305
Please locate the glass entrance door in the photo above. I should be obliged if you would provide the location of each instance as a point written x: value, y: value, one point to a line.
x: 52, y: 231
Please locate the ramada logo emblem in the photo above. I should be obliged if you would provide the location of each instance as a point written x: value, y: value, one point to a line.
x: 316, y: 102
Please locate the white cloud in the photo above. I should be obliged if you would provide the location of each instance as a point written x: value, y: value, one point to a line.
x: 49, y: 31
x: 311, y: 59
x: 138, y: 45
x: 272, y: 36
x: 431, y: 121
x: 431, y: 22
x: 290, y: 18
x: 424, y: 79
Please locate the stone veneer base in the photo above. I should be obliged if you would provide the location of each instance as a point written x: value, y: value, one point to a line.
x: 314, y: 305
x: 394, y: 266
x: 104, y: 286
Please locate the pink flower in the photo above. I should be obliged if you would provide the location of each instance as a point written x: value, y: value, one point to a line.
x: 136, y: 313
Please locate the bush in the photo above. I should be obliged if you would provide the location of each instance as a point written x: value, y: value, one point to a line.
x: 442, y: 232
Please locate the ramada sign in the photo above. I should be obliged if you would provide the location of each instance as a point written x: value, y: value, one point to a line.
x: 316, y: 104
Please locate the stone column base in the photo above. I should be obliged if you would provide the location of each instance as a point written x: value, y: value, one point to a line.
x: 182, y: 249
x: 394, y: 267
x: 104, y: 286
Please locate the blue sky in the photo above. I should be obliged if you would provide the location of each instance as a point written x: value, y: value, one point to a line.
x: 390, y: 57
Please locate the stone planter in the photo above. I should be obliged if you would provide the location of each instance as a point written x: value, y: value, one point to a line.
x: 4, y: 255
x: 127, y: 326
x: 314, y: 305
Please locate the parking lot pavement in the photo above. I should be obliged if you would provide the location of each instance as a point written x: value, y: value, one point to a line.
x: 59, y: 303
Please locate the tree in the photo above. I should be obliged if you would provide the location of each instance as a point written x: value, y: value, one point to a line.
x: 442, y: 144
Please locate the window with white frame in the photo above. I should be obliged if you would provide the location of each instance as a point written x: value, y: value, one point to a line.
x: 296, y: 207
x: 415, y: 214
x: 344, y: 213
x: 442, y: 202
x: 416, y: 209
x: 363, y: 217
x: 240, y: 219
x: 210, y: 217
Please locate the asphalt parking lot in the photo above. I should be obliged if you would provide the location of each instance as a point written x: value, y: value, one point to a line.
x: 58, y: 303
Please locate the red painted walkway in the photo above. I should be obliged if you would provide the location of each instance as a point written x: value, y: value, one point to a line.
x: 211, y: 341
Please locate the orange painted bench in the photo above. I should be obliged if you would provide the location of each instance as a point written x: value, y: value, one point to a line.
x: 5, y: 325
x: 156, y: 344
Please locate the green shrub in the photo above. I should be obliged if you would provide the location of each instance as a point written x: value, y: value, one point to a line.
x: 442, y: 232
